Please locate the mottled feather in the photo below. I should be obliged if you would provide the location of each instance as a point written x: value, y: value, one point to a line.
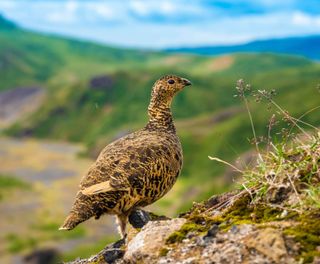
x: 137, y: 169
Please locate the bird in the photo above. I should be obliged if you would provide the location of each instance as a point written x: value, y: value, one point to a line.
x: 135, y: 170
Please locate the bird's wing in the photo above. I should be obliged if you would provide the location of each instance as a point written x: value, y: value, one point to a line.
x: 97, y: 188
x: 100, y: 188
x: 126, y: 164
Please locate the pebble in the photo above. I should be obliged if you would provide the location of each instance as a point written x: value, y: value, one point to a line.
x: 212, y: 232
x: 139, y: 218
x: 110, y: 256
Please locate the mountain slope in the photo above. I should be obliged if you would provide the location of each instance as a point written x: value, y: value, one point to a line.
x: 96, y: 94
x: 302, y: 46
x: 6, y: 24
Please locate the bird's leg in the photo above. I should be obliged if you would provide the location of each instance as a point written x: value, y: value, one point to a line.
x: 122, y: 223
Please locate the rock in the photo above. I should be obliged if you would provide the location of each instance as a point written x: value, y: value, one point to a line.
x: 109, y: 255
x: 225, y: 248
x: 231, y: 247
x: 239, y: 242
x: 139, y: 218
x: 212, y: 232
x: 146, y: 245
x: 269, y: 242
x: 284, y: 214
x: 316, y: 260
x: 234, y: 229
x: 113, y: 252
x: 112, y: 255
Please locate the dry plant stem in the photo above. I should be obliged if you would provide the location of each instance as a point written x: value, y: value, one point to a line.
x: 279, y: 166
x: 269, y: 131
x: 252, y: 127
x: 245, y: 187
x: 281, y: 207
x: 224, y: 203
x: 303, y: 115
x: 225, y: 162
x: 294, y: 120
x: 294, y: 188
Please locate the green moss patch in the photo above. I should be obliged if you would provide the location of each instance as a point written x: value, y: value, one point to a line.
x: 243, y: 210
x: 179, y: 235
x: 307, y: 234
x: 163, y: 252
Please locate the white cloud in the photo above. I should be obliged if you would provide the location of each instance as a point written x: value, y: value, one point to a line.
x: 135, y: 21
x: 64, y: 12
x: 101, y: 9
x: 303, y: 19
x: 71, y: 6
x: 140, y: 7
x: 167, y: 7
x: 145, y: 8
x: 59, y: 17
x: 5, y: 4
x: 105, y: 12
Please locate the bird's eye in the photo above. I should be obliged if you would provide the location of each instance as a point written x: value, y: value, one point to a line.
x: 171, y: 81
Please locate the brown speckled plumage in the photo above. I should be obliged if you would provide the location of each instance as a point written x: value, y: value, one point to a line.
x: 135, y: 170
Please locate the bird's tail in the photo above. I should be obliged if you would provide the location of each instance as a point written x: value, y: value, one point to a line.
x: 80, y: 212
x: 71, y: 221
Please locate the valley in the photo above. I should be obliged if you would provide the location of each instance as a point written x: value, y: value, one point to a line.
x: 63, y: 100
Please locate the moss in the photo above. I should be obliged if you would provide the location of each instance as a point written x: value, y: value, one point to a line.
x: 99, y: 260
x: 197, y: 221
x: 202, y: 220
x: 155, y: 217
x: 243, y: 212
x: 239, y: 211
x: 163, y: 252
x: 179, y: 235
x: 307, y: 234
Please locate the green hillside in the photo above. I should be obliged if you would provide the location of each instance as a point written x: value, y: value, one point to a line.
x: 209, y: 119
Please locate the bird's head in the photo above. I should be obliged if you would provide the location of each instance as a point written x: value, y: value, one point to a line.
x: 166, y: 87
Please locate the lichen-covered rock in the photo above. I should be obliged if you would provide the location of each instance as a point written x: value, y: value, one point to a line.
x: 268, y: 242
x: 229, y: 230
x: 275, y: 221
x: 241, y: 244
x: 146, y: 245
x: 110, y: 254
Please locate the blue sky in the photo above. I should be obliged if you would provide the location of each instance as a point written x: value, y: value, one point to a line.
x: 164, y: 23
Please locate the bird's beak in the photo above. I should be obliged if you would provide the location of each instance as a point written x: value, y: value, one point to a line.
x: 186, y: 82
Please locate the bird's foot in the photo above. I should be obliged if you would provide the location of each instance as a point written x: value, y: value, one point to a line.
x: 114, y: 251
x: 139, y: 218
x: 120, y: 243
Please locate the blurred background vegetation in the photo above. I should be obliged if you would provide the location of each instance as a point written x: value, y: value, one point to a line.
x: 62, y: 100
